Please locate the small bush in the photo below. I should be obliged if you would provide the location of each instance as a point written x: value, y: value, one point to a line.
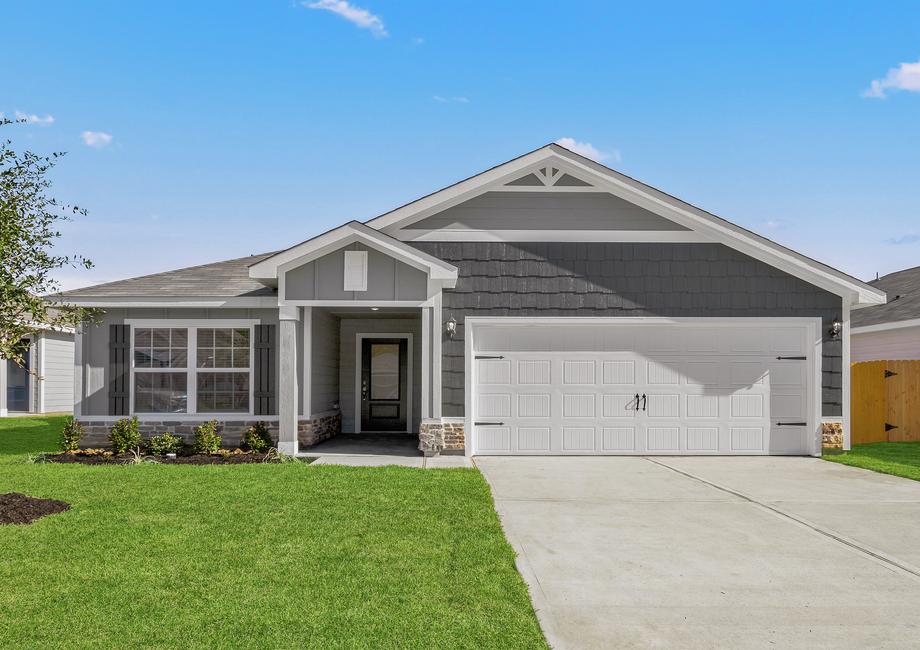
x: 165, y: 443
x: 257, y: 438
x: 71, y: 435
x: 207, y: 440
x: 125, y: 435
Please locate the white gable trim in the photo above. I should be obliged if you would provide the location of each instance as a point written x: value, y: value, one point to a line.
x: 270, y: 268
x: 854, y: 291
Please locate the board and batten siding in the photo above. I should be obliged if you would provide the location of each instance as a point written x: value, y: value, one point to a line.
x: 95, y: 399
x: 387, y: 278
x: 896, y: 344
x: 623, y: 279
x: 546, y: 211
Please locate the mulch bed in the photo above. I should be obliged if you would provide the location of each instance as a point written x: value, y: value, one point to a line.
x: 16, y: 508
x: 191, y: 459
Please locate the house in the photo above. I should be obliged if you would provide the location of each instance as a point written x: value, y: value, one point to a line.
x: 549, y: 305
x: 890, y: 331
x: 45, y: 383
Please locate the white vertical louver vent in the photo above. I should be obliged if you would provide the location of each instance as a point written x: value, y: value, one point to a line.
x: 355, y: 270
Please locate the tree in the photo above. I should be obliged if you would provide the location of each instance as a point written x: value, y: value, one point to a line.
x: 29, y: 219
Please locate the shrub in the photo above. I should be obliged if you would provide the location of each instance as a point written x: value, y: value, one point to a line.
x: 165, y: 443
x: 207, y: 440
x: 71, y: 435
x: 257, y: 438
x: 125, y: 435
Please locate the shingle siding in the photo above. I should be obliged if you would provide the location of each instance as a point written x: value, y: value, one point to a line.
x: 622, y: 279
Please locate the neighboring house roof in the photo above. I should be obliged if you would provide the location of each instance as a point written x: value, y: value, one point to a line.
x: 643, y: 195
x: 903, y: 306
x: 354, y: 231
x: 226, y: 279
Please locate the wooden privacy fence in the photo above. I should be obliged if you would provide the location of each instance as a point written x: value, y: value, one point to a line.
x: 885, y: 401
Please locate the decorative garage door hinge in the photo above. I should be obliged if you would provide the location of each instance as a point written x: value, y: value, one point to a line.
x: 489, y: 356
x: 888, y: 374
x: 889, y: 427
x: 791, y: 358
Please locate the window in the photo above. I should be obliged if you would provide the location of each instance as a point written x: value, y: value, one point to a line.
x: 158, y: 353
x: 227, y: 350
x: 192, y: 369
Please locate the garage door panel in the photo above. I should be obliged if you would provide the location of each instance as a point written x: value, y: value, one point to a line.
x: 720, y: 390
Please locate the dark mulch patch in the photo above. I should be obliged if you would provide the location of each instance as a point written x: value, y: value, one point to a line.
x: 191, y: 459
x: 16, y: 508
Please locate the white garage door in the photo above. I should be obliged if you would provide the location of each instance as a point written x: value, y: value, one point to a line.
x: 688, y: 388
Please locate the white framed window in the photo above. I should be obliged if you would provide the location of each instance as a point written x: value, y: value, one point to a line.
x: 355, y: 270
x: 191, y: 366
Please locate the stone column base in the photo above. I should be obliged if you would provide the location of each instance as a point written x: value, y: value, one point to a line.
x: 440, y: 434
x: 832, y: 435
x: 320, y: 427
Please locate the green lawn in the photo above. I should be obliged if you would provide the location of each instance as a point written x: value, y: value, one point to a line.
x: 898, y: 458
x: 289, y: 555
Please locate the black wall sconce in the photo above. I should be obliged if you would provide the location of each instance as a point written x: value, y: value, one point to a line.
x: 451, y: 327
x: 834, y: 331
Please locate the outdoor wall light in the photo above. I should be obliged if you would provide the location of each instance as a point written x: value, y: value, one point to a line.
x: 451, y: 327
x: 834, y: 331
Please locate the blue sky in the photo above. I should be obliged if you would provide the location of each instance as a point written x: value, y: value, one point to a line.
x: 201, y: 131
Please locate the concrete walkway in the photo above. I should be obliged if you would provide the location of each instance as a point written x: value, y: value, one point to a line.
x: 378, y: 450
x: 713, y: 552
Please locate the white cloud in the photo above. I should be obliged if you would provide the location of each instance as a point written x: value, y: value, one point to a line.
x: 460, y: 99
x: 905, y: 77
x: 418, y: 40
x: 910, y: 238
x: 355, y: 15
x: 776, y: 224
x: 32, y: 118
x: 588, y: 150
x: 96, y: 139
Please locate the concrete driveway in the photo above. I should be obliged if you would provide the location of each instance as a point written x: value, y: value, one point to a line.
x: 713, y: 552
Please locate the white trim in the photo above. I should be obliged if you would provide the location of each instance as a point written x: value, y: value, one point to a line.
x: 606, y: 179
x: 883, y: 327
x: 210, y: 302
x: 355, y: 303
x: 192, y: 325
x: 78, y: 372
x: 41, y: 344
x: 426, y: 362
x: 272, y: 267
x: 359, y: 364
x: 307, y: 360
x: 846, y: 375
x: 437, y: 315
x: 812, y: 327
x: 653, y: 236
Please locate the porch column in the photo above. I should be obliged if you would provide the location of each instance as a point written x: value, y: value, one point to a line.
x: 287, y: 385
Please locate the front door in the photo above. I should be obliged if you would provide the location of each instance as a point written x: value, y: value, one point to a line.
x: 383, y: 384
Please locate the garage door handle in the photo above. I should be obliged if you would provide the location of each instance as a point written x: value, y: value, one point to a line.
x: 489, y: 424
x: 792, y: 424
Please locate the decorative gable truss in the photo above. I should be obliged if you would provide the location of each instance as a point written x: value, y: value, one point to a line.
x: 549, y: 177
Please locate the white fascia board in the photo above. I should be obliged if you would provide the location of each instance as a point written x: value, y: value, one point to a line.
x: 555, y: 235
x: 604, y: 179
x: 174, y: 301
x: 883, y: 327
x: 348, y: 234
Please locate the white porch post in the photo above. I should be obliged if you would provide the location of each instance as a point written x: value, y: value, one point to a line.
x: 3, y: 365
x: 426, y: 363
x: 287, y: 384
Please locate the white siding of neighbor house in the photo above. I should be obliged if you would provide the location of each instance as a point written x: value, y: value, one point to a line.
x: 57, y: 371
x: 893, y: 345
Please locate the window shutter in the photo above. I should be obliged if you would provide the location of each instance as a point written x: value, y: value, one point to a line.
x: 355, y: 270
x: 119, y: 349
x: 264, y: 370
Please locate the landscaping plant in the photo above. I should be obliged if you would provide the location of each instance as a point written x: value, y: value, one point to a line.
x: 165, y: 443
x: 125, y: 435
x: 207, y: 440
x: 257, y: 438
x: 71, y: 435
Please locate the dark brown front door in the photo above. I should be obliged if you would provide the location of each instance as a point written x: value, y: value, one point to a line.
x: 383, y: 384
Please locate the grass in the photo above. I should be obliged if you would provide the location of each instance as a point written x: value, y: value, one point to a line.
x: 897, y: 458
x: 289, y: 555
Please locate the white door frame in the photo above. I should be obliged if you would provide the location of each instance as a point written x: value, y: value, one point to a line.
x: 410, y: 387
x: 812, y: 325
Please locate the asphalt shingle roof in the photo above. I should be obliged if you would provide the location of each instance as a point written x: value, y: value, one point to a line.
x: 221, y: 279
x: 903, y: 289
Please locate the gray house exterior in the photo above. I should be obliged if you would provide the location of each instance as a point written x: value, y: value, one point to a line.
x: 549, y: 305
x: 45, y: 383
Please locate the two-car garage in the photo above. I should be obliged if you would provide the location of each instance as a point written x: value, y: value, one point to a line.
x: 643, y: 386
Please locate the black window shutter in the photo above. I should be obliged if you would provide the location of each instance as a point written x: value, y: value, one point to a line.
x: 265, y: 371
x: 119, y: 349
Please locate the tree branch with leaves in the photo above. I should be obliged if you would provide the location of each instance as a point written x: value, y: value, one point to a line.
x: 29, y: 222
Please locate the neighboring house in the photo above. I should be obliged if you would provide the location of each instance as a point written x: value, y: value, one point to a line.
x: 549, y: 305
x: 45, y: 384
x: 890, y: 332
